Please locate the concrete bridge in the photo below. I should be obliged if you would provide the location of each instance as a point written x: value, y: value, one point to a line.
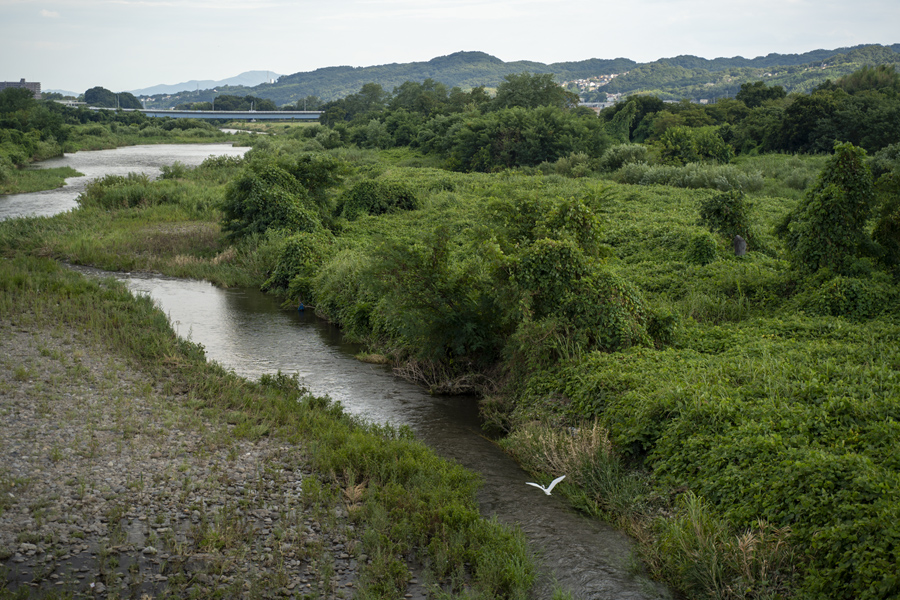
x: 228, y: 115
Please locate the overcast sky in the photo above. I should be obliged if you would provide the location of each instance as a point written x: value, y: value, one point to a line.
x: 132, y: 44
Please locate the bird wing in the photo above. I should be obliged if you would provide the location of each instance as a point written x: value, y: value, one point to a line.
x: 555, y: 481
x: 537, y: 485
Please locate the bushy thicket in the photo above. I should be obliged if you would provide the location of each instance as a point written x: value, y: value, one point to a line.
x: 694, y: 176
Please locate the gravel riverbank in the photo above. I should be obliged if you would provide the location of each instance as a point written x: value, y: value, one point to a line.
x: 112, y: 486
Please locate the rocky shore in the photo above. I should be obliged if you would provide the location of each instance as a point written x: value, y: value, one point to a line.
x: 113, y: 486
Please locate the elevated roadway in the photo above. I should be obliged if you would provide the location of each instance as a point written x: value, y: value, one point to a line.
x: 228, y: 115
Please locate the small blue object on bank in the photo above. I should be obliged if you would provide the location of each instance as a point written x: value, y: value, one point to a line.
x: 301, y: 307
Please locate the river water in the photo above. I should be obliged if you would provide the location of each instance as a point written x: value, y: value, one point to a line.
x: 96, y: 164
x: 247, y: 332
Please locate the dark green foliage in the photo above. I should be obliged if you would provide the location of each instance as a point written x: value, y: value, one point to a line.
x: 518, y: 137
x: 756, y: 93
x: 881, y: 78
x: 377, y: 197
x: 281, y: 191
x: 299, y: 260
x: 623, y: 154
x: 828, y: 229
x: 728, y: 214
x: 102, y: 97
x: 266, y: 197
x: 527, y: 90
x: 249, y: 102
x: 701, y: 249
x: 887, y: 228
x: 682, y: 145
x: 548, y: 269
x: 134, y: 190
x: 440, y: 298
x: 852, y: 298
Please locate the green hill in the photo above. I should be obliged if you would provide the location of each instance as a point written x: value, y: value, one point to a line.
x: 673, y: 78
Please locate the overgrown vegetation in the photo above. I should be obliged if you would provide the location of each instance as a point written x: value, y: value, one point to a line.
x: 736, y: 414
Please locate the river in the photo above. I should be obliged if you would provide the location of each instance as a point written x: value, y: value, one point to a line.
x: 247, y: 332
x: 99, y: 163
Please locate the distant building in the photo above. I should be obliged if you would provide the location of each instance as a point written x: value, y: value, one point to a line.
x: 34, y: 86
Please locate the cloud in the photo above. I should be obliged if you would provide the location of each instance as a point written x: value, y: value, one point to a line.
x: 49, y: 14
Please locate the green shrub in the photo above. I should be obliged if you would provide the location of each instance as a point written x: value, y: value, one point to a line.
x: 728, y: 214
x: 377, y: 197
x: 618, y: 156
x: 701, y: 249
x: 129, y: 191
x: 851, y: 298
x: 265, y: 197
x: 828, y: 228
x: 299, y: 259
x: 717, y: 177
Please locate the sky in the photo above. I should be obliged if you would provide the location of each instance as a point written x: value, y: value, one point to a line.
x: 132, y: 44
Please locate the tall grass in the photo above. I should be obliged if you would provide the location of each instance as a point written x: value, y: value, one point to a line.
x: 25, y: 181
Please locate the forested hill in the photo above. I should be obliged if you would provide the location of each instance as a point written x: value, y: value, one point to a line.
x: 678, y: 77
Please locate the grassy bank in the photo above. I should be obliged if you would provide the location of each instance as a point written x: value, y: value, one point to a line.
x: 24, y: 181
x: 412, y: 508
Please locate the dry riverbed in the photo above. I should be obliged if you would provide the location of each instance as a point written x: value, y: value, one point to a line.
x: 112, y: 487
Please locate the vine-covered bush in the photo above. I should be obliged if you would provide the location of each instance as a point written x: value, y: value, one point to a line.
x: 265, y: 197
x: 850, y: 297
x: 701, y: 249
x: 728, y: 214
x: 828, y: 230
x: 299, y: 260
x: 618, y: 156
x: 377, y: 197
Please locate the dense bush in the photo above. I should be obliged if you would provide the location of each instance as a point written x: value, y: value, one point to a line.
x: 134, y: 190
x: 266, y: 197
x: 694, y: 176
x: 280, y: 192
x: 828, y: 229
x: 377, y: 197
x: 618, y: 156
x: 728, y: 214
x: 299, y: 259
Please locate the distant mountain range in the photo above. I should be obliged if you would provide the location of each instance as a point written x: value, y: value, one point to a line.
x: 246, y: 79
x: 675, y: 78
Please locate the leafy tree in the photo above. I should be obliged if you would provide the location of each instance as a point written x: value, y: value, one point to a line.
x: 280, y: 193
x: 683, y: 145
x: 643, y: 105
x: 528, y: 90
x: 459, y: 101
x: 757, y: 93
x: 377, y: 197
x: 370, y: 101
x: 516, y: 137
x: 426, y: 98
x: 16, y: 99
x: 808, y: 124
x: 727, y: 213
x: 879, y: 78
x: 828, y: 229
x: 104, y: 98
x: 309, y: 103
